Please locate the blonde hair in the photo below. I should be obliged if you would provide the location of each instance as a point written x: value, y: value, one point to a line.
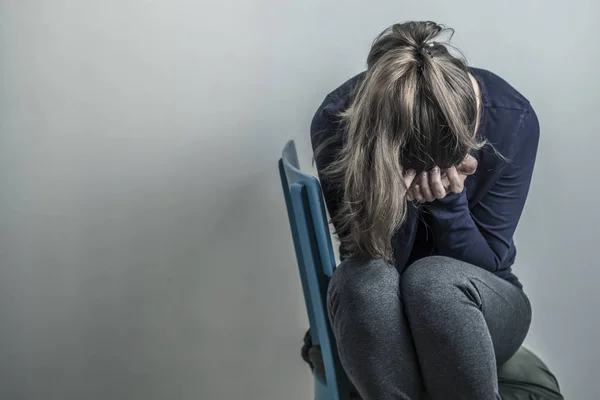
x: 416, y: 108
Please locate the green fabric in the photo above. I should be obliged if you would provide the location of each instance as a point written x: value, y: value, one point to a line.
x: 526, y: 377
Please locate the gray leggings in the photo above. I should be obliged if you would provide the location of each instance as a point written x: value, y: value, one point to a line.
x: 440, y: 329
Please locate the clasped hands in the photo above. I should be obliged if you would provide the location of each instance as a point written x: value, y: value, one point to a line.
x: 437, y: 183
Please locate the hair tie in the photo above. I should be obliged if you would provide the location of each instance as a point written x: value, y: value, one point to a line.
x: 427, y: 48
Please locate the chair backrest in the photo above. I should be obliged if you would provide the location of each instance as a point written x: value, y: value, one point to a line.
x: 316, y: 262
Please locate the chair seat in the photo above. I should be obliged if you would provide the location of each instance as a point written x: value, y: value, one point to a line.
x: 523, y: 377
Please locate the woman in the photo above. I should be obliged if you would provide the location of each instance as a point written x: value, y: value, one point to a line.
x: 425, y: 165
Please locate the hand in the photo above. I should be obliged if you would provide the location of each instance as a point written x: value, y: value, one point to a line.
x: 409, y: 177
x: 436, y: 184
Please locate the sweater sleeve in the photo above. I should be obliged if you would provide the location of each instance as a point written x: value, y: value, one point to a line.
x: 483, y: 235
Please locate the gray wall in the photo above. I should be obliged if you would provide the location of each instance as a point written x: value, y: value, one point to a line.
x: 144, y: 247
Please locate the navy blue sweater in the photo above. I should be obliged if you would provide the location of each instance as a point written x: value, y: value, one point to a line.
x: 477, y: 225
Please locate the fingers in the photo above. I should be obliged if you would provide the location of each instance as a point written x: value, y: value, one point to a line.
x: 425, y: 188
x: 428, y: 186
x: 456, y: 183
x: 468, y: 166
x: 409, y: 177
x: 446, y: 183
x: 435, y: 183
x: 418, y: 194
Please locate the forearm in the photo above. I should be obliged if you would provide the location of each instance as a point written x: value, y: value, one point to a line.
x: 457, y: 235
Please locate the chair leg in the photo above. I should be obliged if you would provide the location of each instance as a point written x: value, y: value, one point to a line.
x: 321, y: 390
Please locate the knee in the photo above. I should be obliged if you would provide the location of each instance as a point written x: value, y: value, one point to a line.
x: 362, y: 284
x: 427, y: 280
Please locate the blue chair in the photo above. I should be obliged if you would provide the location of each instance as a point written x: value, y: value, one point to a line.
x: 523, y: 377
x: 314, y: 253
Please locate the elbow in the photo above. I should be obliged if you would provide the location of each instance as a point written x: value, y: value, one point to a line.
x: 499, y: 260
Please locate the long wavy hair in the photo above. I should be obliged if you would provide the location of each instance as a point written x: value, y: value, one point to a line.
x: 416, y: 108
